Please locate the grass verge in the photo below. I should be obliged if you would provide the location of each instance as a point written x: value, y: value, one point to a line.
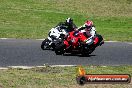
x: 32, y: 19
x: 58, y: 77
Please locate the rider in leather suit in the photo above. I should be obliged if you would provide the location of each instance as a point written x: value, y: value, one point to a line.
x: 90, y: 31
x: 68, y: 25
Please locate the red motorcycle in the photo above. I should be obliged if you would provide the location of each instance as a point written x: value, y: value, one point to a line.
x: 75, y: 42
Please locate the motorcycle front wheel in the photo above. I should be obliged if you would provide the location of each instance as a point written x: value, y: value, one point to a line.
x: 59, y: 49
x: 45, y: 44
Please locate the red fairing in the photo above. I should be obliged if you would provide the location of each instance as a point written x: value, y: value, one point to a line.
x: 96, y: 40
x: 66, y: 43
x: 72, y: 38
x: 82, y: 37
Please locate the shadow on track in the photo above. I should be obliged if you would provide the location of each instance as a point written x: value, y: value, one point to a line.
x: 79, y: 55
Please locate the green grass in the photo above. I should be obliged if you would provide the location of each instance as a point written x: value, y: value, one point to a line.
x: 34, y: 18
x: 57, y: 77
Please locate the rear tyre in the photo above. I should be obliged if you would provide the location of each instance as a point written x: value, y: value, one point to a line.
x: 45, y: 44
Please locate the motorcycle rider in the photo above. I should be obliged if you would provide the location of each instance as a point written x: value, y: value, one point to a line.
x: 64, y: 27
x: 68, y: 25
x: 61, y: 30
x: 89, y: 30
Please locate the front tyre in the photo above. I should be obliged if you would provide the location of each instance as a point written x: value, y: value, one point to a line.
x: 45, y: 44
x: 84, y: 50
x: 59, y: 49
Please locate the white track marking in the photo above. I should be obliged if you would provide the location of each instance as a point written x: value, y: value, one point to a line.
x: 63, y: 65
x: 130, y: 43
x: 30, y: 67
x: 111, y: 41
x: 3, y: 68
x: 39, y: 39
x: 3, y: 38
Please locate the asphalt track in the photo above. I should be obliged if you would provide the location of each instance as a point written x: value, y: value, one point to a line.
x: 18, y: 52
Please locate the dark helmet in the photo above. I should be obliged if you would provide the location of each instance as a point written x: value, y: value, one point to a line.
x: 69, y: 20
